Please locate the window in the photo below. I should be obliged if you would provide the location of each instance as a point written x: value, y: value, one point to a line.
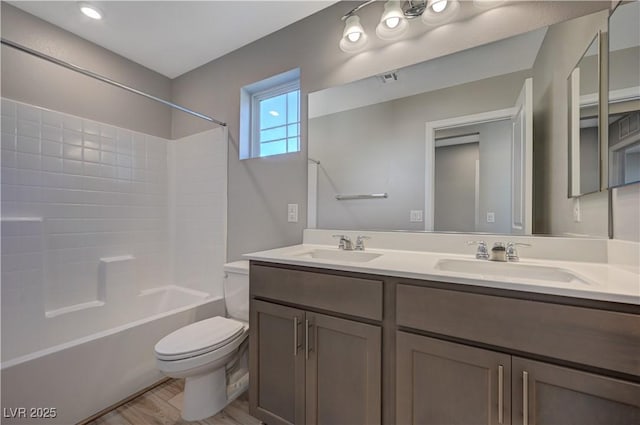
x: 276, y: 121
x: 270, y: 116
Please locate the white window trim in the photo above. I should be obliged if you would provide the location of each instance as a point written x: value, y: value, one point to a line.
x: 255, y: 112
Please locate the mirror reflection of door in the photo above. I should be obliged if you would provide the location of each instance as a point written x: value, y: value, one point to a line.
x: 473, y: 178
x: 456, y: 183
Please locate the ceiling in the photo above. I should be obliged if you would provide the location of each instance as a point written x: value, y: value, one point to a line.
x: 174, y: 37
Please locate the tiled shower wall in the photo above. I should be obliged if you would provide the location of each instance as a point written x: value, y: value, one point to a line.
x: 75, y: 191
x: 197, y: 209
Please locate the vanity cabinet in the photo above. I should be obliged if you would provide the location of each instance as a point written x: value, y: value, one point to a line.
x: 547, y: 394
x: 309, y: 367
x: 339, y: 347
x: 444, y: 382
x: 439, y: 382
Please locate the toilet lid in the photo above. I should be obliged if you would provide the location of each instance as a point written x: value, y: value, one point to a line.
x: 199, y: 337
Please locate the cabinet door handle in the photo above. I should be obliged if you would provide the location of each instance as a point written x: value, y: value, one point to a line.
x: 295, y: 336
x: 525, y: 398
x: 500, y: 393
x: 307, y: 348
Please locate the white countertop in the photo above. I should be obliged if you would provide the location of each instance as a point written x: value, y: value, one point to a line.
x: 599, y: 281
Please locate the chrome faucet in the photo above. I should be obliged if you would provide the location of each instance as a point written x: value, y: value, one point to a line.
x: 482, y: 253
x: 345, y: 242
x: 360, y: 243
x: 512, y: 251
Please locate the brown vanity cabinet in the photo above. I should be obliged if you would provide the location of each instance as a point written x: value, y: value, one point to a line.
x: 546, y: 394
x: 309, y: 367
x: 439, y: 382
x: 451, y: 383
x: 453, y: 354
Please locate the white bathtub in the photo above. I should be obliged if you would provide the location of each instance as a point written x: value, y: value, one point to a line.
x: 80, y: 362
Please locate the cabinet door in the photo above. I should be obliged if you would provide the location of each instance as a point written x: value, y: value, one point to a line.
x: 276, y: 363
x: 545, y: 394
x: 443, y: 383
x: 343, y: 371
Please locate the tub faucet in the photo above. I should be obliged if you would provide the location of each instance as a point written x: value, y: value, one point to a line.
x: 345, y: 242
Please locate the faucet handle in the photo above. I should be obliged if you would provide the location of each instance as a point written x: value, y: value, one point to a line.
x: 360, y: 242
x: 512, y: 251
x: 482, y: 253
x: 345, y: 242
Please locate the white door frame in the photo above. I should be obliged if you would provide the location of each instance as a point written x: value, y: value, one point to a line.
x: 430, y: 153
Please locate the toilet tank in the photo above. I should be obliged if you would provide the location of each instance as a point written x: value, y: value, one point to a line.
x: 236, y: 289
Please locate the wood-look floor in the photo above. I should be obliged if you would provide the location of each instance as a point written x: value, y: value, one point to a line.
x: 154, y: 408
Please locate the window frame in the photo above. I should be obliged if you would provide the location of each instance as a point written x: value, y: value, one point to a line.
x: 256, y: 98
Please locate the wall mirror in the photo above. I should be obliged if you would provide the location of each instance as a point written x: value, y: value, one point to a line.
x: 443, y: 145
x: 583, y: 114
x: 624, y: 95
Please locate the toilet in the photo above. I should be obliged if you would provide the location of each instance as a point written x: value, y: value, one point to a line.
x: 212, y: 354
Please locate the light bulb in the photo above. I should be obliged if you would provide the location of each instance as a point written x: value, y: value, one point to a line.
x: 392, y: 22
x: 439, y: 6
x: 90, y: 11
x: 353, y: 37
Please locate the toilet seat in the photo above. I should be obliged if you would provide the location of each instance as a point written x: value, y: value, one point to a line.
x: 199, y: 338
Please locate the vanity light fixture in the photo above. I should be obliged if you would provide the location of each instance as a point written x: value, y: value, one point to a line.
x: 353, y: 38
x: 393, y: 24
x: 90, y: 11
x: 437, y: 5
x: 394, y: 21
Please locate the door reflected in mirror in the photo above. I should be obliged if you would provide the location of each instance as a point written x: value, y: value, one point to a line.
x: 624, y: 95
x: 584, y: 133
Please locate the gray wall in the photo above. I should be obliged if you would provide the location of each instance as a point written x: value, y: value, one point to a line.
x: 259, y: 189
x: 32, y: 80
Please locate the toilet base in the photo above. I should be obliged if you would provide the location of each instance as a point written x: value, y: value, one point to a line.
x: 204, y: 395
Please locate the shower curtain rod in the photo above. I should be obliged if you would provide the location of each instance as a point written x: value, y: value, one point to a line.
x: 99, y: 77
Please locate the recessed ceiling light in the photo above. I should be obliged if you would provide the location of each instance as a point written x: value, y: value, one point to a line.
x: 274, y: 113
x: 90, y: 11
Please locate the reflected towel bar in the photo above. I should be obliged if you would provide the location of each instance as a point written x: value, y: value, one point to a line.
x: 370, y: 196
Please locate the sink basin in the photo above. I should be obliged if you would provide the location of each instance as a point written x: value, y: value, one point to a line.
x: 338, y: 255
x: 509, y: 270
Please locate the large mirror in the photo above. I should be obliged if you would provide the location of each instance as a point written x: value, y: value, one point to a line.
x: 624, y: 95
x: 444, y: 145
x: 584, y: 134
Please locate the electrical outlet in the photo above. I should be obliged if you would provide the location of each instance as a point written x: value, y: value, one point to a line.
x: 415, y: 216
x: 491, y: 217
x: 292, y: 213
x: 577, y: 211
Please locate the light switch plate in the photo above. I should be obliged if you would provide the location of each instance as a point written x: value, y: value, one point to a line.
x: 491, y: 217
x: 292, y: 213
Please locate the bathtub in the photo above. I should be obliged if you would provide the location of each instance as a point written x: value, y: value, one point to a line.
x: 81, y: 361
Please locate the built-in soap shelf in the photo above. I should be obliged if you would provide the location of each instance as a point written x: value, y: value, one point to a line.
x: 116, y: 280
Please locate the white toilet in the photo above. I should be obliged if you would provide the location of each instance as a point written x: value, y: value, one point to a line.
x: 212, y: 354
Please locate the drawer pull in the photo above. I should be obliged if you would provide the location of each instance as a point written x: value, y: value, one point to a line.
x: 500, y: 393
x: 307, y: 348
x: 525, y: 398
x: 295, y: 336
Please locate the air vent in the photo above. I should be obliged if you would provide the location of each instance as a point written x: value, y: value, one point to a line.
x: 388, y: 77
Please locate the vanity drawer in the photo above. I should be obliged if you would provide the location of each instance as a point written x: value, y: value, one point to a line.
x: 599, y: 338
x: 341, y: 294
